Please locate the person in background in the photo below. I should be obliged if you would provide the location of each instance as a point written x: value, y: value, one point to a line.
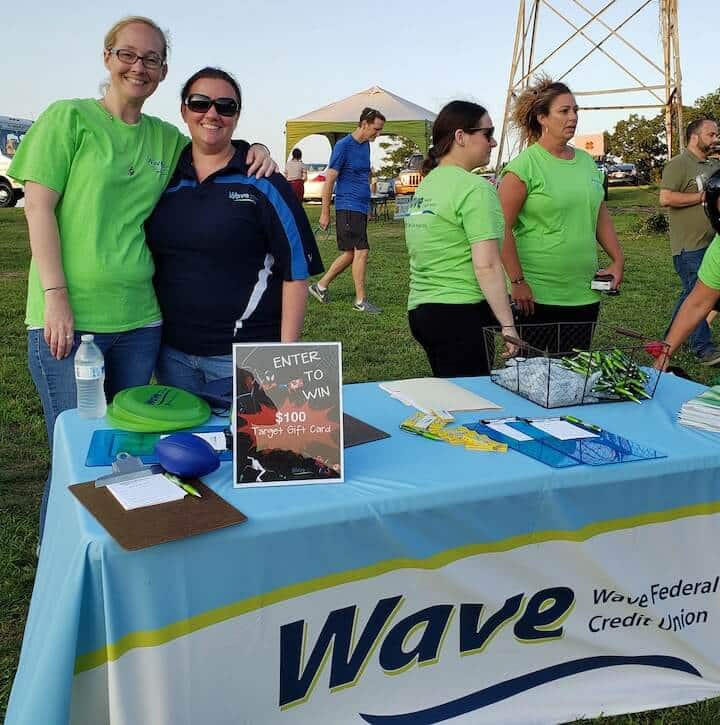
x: 232, y: 253
x: 93, y: 171
x: 552, y: 199
x: 296, y: 174
x: 705, y: 294
x: 453, y: 232
x: 350, y: 166
x: 681, y: 191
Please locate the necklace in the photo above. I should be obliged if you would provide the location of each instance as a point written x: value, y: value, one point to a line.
x: 126, y: 140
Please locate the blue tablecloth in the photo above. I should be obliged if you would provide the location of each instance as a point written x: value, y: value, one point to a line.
x: 407, y: 503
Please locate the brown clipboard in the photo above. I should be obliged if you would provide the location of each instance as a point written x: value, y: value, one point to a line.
x: 152, y: 525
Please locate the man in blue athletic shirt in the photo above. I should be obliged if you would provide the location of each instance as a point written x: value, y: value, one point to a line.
x: 350, y: 167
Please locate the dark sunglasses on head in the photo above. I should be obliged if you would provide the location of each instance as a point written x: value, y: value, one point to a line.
x: 199, y: 103
x: 488, y: 131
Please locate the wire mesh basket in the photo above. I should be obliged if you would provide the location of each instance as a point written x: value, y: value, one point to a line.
x: 574, y: 363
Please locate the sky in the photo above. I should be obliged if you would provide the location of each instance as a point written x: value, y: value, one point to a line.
x: 293, y: 57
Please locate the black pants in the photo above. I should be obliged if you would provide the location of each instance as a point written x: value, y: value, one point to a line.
x: 452, y: 337
x: 542, y: 331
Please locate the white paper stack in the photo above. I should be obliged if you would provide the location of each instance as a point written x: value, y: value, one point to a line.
x: 703, y: 411
x: 435, y: 394
x: 147, y: 491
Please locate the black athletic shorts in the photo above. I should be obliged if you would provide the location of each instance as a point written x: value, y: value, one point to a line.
x: 351, y: 230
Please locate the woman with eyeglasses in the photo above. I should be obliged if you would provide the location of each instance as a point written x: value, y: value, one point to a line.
x: 93, y: 171
x: 552, y: 198
x: 232, y: 253
x: 453, y: 232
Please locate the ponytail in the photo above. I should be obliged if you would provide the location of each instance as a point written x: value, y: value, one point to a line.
x: 430, y: 162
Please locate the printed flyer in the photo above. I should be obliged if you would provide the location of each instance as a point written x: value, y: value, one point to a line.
x: 288, y: 414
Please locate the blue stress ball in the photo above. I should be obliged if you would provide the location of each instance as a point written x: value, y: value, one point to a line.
x: 186, y: 455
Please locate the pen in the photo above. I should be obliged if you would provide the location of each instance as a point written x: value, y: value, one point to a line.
x: 184, y: 486
x: 590, y: 426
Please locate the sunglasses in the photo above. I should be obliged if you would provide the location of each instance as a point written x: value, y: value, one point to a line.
x: 488, y: 131
x: 198, y: 103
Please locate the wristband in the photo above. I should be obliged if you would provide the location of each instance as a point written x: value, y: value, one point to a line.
x: 50, y: 289
x: 518, y: 280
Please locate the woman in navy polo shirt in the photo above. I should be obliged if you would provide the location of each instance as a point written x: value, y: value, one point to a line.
x: 232, y: 253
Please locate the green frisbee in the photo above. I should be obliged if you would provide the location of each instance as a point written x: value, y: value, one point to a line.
x: 156, y: 409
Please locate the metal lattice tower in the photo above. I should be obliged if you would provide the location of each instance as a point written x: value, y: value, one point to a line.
x: 664, y: 91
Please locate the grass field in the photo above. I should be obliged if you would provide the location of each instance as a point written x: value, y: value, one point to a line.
x: 374, y: 348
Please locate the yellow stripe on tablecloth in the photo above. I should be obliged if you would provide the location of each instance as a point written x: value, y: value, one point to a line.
x: 162, y: 635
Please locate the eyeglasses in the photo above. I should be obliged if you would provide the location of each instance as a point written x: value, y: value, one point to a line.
x: 488, y: 131
x: 199, y: 103
x: 151, y: 62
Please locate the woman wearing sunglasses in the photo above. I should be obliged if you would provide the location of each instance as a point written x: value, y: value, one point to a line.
x: 232, y: 252
x: 93, y: 171
x: 552, y: 198
x: 457, y: 285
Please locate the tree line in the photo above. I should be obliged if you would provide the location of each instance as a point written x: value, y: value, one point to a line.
x: 641, y: 141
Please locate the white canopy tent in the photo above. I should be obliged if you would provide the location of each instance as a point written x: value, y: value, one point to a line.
x: 403, y: 118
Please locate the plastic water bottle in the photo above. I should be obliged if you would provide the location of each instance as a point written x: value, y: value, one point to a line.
x: 90, y: 379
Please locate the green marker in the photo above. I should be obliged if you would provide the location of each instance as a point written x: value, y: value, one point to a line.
x: 591, y: 426
x: 184, y: 486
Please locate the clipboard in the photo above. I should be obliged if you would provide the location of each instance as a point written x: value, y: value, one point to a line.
x: 106, y: 443
x: 605, y: 448
x: 152, y: 525
x: 533, y: 448
x: 356, y: 432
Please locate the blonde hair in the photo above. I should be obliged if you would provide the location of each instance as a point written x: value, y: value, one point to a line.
x: 111, y: 35
x: 535, y: 101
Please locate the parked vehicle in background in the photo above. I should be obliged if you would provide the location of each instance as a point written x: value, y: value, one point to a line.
x: 385, y: 186
x: 410, y: 177
x: 602, y: 167
x: 619, y: 174
x: 315, y: 181
x: 12, y: 132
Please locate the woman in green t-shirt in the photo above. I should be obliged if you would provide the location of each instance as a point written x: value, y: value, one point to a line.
x: 453, y: 231
x: 93, y: 171
x: 552, y: 199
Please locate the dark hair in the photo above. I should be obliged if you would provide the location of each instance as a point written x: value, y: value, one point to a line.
x: 370, y: 114
x: 296, y: 154
x: 211, y: 73
x: 535, y: 101
x: 695, y: 126
x: 453, y: 116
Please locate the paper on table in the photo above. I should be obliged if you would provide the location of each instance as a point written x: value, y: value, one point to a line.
x: 428, y: 394
x: 562, y: 430
x: 506, y: 430
x: 146, y: 491
x: 215, y: 438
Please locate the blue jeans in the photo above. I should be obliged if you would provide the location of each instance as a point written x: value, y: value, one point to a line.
x: 129, y: 360
x: 687, y: 265
x: 191, y: 372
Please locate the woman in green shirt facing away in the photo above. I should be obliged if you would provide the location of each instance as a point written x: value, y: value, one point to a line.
x: 552, y: 200
x: 453, y: 232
